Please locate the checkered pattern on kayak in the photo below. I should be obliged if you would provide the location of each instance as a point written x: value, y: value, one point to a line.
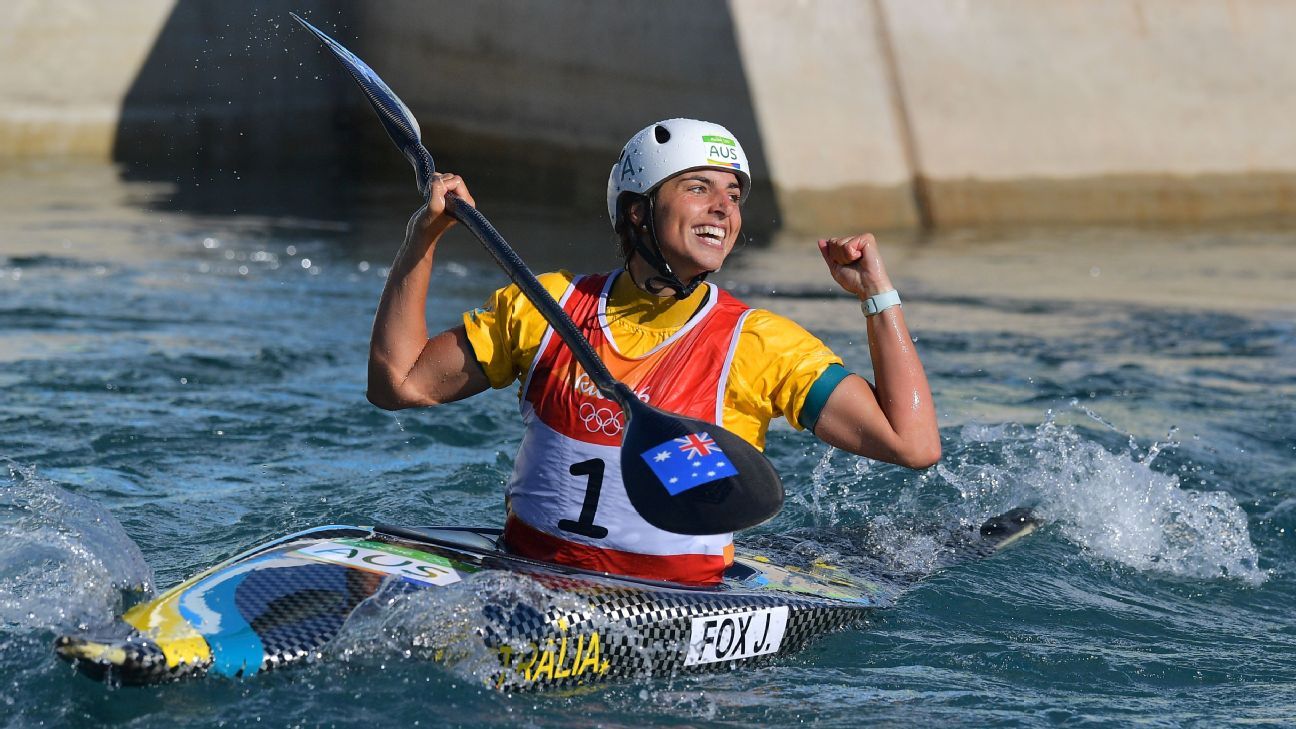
x: 289, y: 607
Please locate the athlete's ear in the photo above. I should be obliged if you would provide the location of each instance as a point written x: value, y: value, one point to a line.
x: 636, y: 210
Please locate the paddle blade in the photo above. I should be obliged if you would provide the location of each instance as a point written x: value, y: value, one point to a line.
x: 688, y: 476
x: 396, y: 118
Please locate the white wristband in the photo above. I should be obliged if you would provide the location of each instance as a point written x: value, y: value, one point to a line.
x: 879, y: 303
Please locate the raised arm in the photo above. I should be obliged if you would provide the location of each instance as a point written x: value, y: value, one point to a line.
x: 894, y: 420
x: 406, y: 367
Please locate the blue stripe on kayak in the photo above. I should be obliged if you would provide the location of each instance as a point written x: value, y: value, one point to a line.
x: 236, y: 648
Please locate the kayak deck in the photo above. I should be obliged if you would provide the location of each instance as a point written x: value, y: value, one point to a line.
x: 282, y: 603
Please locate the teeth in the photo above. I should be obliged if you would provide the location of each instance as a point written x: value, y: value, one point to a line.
x: 711, y: 231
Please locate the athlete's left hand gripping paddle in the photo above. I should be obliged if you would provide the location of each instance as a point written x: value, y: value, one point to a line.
x: 683, y: 475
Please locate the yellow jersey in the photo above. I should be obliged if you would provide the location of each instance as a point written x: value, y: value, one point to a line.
x: 775, y: 363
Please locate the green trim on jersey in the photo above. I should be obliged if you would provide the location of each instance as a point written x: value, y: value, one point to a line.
x: 818, y: 395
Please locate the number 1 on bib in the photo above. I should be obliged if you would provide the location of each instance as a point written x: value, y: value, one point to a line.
x: 586, y: 526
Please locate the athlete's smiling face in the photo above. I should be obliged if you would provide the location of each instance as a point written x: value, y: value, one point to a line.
x: 698, y: 220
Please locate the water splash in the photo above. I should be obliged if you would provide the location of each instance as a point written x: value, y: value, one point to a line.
x: 829, y: 501
x: 65, y: 562
x: 465, y: 628
x: 1113, y: 504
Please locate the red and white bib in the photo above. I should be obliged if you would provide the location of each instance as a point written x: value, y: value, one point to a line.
x: 567, y: 502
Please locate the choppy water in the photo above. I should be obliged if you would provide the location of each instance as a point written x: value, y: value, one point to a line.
x: 176, y: 388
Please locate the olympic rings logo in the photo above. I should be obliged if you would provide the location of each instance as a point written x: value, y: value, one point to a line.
x: 601, y: 419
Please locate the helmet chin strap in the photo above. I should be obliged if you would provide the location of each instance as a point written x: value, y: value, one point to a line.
x: 652, y: 255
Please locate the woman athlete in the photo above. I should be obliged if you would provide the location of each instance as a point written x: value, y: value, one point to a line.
x: 682, y: 344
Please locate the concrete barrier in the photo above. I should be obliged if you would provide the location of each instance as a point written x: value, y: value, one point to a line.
x: 858, y: 113
x: 1100, y: 110
x: 65, y: 67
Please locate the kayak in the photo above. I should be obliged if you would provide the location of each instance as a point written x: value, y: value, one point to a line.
x: 282, y: 602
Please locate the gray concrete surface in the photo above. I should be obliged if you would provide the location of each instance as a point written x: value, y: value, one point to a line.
x: 858, y: 113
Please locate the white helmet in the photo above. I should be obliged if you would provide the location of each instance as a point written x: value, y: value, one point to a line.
x: 665, y: 149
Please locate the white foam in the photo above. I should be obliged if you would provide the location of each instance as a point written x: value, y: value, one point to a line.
x: 465, y: 626
x: 1115, y: 505
x: 64, y: 560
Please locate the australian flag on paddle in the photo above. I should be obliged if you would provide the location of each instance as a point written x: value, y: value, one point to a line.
x: 682, y: 463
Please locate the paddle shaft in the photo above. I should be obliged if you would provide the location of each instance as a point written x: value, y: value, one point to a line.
x: 403, y: 130
x: 553, y: 313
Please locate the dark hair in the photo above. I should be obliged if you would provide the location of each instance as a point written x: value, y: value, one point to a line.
x: 624, y: 229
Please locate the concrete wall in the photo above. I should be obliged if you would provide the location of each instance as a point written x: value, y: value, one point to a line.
x: 859, y: 113
x: 825, y: 94
x: 65, y: 68
x: 1108, y: 109
x: 537, y: 98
